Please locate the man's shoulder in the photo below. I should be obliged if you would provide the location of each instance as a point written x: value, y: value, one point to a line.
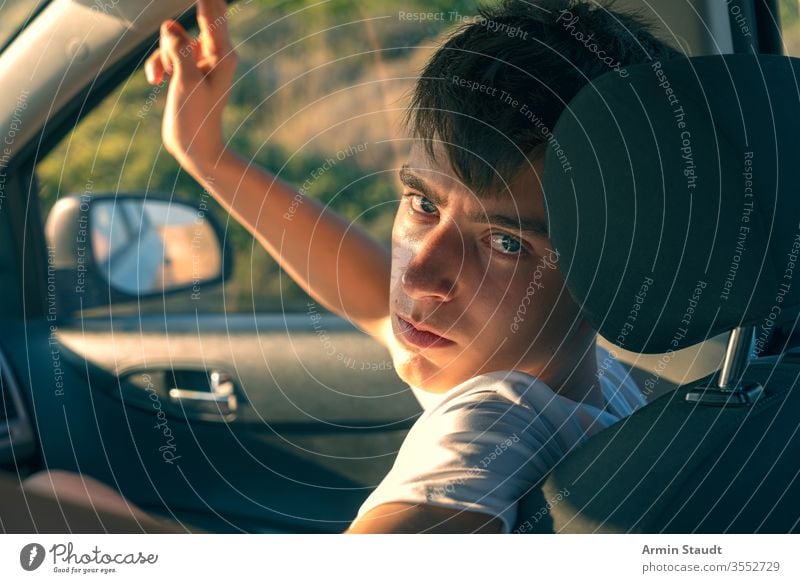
x: 512, y: 401
x: 507, y: 401
x: 510, y: 387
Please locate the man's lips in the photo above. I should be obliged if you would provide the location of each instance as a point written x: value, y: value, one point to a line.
x: 419, y: 337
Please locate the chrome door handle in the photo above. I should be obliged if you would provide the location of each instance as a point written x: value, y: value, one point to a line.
x: 220, y: 399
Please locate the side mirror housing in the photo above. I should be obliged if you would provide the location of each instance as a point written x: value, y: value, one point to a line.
x: 106, y: 249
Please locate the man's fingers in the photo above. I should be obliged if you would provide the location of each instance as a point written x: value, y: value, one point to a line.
x: 212, y: 20
x: 153, y: 69
x: 177, y: 50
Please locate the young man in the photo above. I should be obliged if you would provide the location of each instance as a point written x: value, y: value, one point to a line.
x: 470, y: 302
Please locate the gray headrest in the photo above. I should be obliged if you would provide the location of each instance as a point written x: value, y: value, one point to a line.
x: 672, y: 198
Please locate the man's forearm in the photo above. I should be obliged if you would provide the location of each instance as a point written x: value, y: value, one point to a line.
x: 336, y: 262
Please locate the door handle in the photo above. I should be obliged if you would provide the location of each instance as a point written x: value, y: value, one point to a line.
x: 220, y: 399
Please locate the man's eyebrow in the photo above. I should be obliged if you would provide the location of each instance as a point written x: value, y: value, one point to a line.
x: 413, y: 181
x: 532, y: 226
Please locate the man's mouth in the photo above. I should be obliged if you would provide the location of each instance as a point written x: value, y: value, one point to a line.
x: 416, y: 336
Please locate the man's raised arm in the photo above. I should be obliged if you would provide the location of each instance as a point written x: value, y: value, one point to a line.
x: 334, y: 261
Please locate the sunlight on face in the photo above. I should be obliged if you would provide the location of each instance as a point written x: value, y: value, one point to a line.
x: 475, y: 284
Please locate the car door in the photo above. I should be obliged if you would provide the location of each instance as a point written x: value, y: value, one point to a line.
x: 319, y: 412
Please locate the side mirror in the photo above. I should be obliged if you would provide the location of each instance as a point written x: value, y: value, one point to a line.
x: 105, y: 249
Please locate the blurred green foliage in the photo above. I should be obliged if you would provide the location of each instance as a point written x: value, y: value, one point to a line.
x: 790, y: 25
x: 314, y: 78
x: 790, y: 12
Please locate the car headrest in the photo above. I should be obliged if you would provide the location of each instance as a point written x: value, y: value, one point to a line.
x: 672, y: 199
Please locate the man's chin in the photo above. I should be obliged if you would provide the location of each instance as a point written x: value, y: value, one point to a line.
x: 420, y: 373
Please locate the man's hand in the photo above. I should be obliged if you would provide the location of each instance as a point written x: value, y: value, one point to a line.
x: 402, y: 517
x: 200, y: 76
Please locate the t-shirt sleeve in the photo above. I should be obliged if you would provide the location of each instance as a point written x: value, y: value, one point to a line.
x: 482, y: 447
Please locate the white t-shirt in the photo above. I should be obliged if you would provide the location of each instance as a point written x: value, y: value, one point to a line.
x: 481, y: 445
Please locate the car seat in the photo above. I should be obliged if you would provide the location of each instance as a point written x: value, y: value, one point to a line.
x: 672, y: 198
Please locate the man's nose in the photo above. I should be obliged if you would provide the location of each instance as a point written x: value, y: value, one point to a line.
x: 434, y: 270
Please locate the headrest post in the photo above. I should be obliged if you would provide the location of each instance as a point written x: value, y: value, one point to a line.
x: 729, y: 389
x: 737, y: 354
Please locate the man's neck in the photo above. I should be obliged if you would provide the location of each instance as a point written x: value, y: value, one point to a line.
x: 582, y: 383
x: 576, y: 377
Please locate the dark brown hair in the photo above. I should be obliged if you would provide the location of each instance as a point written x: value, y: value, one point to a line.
x: 537, y: 53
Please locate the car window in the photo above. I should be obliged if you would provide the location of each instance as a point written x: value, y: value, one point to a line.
x: 15, y: 16
x: 319, y: 97
x: 789, y: 11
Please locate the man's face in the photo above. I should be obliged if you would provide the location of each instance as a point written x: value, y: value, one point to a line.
x: 475, y: 282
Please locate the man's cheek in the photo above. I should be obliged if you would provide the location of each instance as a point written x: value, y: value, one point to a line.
x: 526, y: 307
x: 562, y: 303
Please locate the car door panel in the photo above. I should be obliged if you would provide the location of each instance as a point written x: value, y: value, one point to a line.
x: 309, y: 440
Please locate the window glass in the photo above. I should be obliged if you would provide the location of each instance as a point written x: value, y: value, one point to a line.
x: 318, y: 100
x: 15, y: 14
x: 790, y: 26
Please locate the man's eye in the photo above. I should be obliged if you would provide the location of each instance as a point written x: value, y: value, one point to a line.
x: 420, y: 204
x: 507, y: 244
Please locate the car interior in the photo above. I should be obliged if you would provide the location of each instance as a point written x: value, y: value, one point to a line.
x: 676, y: 225
x: 656, y: 269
